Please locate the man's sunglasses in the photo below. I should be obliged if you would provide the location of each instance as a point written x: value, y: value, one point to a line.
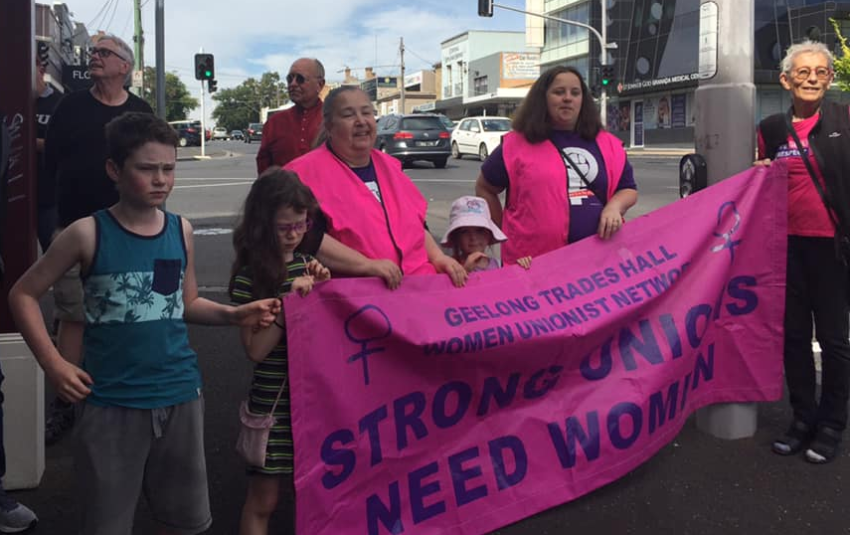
x: 104, y: 53
x: 300, y: 78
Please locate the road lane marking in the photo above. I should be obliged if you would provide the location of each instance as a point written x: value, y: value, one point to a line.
x: 212, y: 231
x: 220, y: 178
x: 212, y: 185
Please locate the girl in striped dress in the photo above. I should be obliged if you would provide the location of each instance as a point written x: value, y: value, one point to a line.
x: 276, y: 216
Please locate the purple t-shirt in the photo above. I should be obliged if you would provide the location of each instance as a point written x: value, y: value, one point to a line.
x: 585, y: 203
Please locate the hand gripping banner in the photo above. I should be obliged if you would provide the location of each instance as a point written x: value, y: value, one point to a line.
x: 432, y: 409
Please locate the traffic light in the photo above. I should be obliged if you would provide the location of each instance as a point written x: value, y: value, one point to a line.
x: 204, y: 67
x: 606, y: 78
x: 485, y: 8
x: 213, y: 86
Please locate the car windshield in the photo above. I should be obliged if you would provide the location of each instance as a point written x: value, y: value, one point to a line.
x: 448, y: 123
x: 421, y: 123
x: 496, y: 125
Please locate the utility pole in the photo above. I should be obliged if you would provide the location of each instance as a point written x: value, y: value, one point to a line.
x: 401, y: 52
x: 139, y: 47
x: 725, y: 119
x: 160, y: 59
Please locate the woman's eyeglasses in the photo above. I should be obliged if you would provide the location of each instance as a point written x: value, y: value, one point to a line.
x: 298, y: 228
x: 300, y: 78
x: 803, y: 74
x: 104, y: 53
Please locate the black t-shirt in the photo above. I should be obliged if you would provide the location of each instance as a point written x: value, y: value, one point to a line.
x: 76, y: 153
x: 44, y: 107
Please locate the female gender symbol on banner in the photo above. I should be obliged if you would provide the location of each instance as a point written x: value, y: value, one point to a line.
x: 728, y: 242
x: 368, y: 324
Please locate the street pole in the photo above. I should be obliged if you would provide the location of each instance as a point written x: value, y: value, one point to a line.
x: 603, y: 43
x: 603, y: 60
x: 401, y: 52
x: 203, y: 118
x: 139, y: 45
x: 724, y: 131
x: 160, y: 59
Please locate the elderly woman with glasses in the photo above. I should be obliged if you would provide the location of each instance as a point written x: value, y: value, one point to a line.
x: 370, y: 205
x: 813, y: 139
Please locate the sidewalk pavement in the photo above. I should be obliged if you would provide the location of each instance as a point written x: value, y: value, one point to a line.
x: 660, y: 151
x: 696, y: 485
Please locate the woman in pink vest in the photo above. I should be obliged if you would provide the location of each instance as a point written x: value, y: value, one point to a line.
x: 566, y: 178
x: 371, y: 208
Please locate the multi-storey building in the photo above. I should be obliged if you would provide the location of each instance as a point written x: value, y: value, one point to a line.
x: 656, y: 58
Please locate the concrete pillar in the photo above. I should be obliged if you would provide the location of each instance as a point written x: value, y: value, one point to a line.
x: 23, y: 414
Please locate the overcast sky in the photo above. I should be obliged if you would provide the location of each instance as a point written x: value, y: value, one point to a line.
x: 250, y: 37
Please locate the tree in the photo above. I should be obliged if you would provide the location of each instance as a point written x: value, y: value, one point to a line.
x: 178, y: 101
x: 240, y: 105
x: 842, y: 64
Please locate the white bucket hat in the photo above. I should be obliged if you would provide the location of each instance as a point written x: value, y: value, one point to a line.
x: 470, y: 211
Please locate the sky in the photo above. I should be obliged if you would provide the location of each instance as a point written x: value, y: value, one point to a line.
x: 250, y: 37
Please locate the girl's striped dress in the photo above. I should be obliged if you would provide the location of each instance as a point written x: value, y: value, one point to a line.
x: 270, y: 373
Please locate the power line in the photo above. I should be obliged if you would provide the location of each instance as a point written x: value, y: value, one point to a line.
x: 407, y: 49
x: 89, y: 25
x: 114, y: 10
x: 111, y: 3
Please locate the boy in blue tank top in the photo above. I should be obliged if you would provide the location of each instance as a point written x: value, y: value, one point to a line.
x: 141, y: 426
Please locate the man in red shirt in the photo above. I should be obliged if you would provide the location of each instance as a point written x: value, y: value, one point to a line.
x: 290, y: 133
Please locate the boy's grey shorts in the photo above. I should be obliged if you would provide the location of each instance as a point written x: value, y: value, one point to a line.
x: 121, y: 453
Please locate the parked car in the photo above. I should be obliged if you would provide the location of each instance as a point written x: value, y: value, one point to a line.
x: 479, y: 135
x: 414, y: 137
x: 254, y: 132
x: 220, y: 133
x: 188, y: 134
x: 448, y: 123
x: 237, y: 134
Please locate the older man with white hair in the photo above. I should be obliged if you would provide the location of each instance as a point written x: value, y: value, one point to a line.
x: 75, y: 157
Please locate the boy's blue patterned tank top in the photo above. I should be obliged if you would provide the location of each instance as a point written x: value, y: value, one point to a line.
x: 136, y: 346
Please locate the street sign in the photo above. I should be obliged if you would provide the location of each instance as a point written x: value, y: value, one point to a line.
x: 138, y: 78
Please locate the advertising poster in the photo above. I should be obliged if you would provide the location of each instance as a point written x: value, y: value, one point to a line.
x: 678, y: 111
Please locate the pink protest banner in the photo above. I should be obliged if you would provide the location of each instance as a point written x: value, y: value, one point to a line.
x: 433, y: 409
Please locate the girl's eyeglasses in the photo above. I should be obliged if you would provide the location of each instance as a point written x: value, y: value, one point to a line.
x: 802, y: 74
x: 300, y: 227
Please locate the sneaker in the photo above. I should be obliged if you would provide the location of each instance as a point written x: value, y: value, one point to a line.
x: 824, y: 448
x: 794, y: 440
x: 60, y: 419
x: 15, y: 517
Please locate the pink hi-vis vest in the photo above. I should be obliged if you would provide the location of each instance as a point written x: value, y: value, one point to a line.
x: 536, y: 217
x: 357, y: 219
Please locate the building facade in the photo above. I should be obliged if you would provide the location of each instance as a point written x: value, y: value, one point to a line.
x: 485, y: 72
x: 656, y: 58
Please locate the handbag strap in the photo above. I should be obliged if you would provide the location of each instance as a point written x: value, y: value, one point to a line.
x: 279, y: 393
x: 805, y: 153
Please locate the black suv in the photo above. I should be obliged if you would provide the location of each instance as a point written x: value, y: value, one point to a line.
x: 188, y: 134
x: 414, y: 137
x: 254, y: 132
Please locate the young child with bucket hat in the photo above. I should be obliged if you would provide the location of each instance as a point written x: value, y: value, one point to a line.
x: 470, y: 234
